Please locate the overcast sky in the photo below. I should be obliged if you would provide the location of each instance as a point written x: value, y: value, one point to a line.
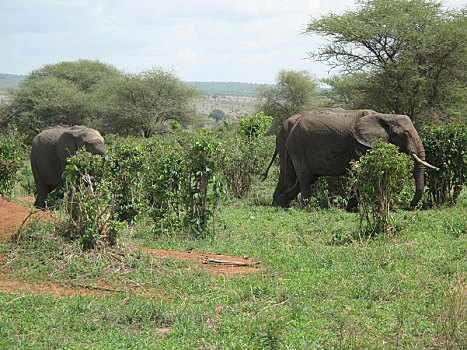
x: 204, y: 40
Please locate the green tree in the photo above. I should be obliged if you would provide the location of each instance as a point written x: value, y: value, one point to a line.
x: 294, y: 92
x: 144, y: 103
x: 87, y: 75
x: 58, y: 94
x: 378, y: 177
x: 217, y: 114
x: 406, y: 56
x: 45, y: 102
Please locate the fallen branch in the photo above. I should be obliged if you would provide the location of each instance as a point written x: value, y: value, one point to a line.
x: 86, y: 286
x: 227, y: 262
x: 10, y: 164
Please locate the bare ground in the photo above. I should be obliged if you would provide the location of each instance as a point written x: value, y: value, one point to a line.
x: 14, y: 215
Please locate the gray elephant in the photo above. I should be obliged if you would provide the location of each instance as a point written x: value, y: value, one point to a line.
x: 281, y: 141
x: 322, y: 142
x: 50, y: 150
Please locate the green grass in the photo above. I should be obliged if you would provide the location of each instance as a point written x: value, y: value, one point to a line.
x: 319, y: 286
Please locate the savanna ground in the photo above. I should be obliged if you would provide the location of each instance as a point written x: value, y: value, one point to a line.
x: 309, y: 282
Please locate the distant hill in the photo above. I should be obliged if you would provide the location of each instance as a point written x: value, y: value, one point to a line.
x: 222, y: 88
x: 212, y: 88
x: 10, y: 81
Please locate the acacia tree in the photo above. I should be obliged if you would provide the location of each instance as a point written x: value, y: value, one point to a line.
x: 142, y: 104
x: 293, y: 92
x: 404, y: 56
x: 87, y: 75
x: 58, y: 94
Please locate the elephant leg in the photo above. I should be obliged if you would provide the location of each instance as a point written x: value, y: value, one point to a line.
x: 352, y: 204
x: 42, y: 193
x: 289, y: 194
x: 305, y: 185
x: 279, y: 189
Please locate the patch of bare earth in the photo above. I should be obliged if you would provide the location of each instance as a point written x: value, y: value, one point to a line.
x: 14, y: 215
x: 214, y: 264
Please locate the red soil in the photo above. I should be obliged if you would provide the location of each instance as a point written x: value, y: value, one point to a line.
x: 14, y: 215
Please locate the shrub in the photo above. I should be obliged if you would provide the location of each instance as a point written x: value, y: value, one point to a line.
x: 127, y: 163
x: 89, y: 204
x: 203, y: 156
x: 378, y: 177
x: 12, y: 155
x: 247, y: 153
x: 164, y: 183
x: 446, y: 148
x: 254, y: 125
x: 329, y: 191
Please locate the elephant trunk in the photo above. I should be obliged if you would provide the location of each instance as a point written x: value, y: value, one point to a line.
x: 419, y: 170
x: 418, y: 173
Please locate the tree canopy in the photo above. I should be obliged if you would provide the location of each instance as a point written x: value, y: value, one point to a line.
x: 400, y: 56
x: 141, y: 104
x: 293, y: 92
x: 100, y: 96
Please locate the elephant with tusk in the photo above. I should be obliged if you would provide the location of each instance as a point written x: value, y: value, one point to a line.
x: 323, y: 141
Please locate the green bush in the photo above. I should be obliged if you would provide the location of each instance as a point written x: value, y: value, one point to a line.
x: 446, y: 148
x: 174, y: 180
x: 12, y: 156
x: 127, y: 164
x: 329, y: 191
x: 378, y: 177
x: 247, y: 153
x: 254, y: 125
x: 202, y: 182
x: 164, y: 183
x: 89, y: 204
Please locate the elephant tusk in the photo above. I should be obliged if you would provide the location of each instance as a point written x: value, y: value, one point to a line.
x: 428, y: 165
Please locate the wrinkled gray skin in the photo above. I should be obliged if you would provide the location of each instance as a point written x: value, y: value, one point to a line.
x: 49, y: 151
x: 322, y: 142
x: 281, y: 140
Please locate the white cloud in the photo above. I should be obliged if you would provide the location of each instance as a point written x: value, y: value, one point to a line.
x: 238, y: 40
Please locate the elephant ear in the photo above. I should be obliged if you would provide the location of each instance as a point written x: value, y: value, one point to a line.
x: 67, y: 145
x: 369, y: 129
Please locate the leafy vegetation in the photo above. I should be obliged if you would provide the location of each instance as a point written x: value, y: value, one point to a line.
x: 12, y: 156
x: 446, y: 146
x: 100, y: 96
x: 90, y: 211
x: 405, y: 57
x: 293, y: 92
x: 143, y: 104
x: 378, y: 177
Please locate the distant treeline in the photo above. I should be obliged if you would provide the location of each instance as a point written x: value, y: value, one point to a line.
x: 225, y: 88
x: 210, y: 87
x: 10, y: 81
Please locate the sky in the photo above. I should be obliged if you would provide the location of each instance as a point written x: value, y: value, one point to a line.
x: 197, y: 40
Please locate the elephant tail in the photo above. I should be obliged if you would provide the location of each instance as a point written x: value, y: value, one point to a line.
x: 264, y: 175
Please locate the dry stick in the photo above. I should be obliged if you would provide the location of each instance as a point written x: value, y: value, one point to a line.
x: 270, y: 306
x: 85, y: 286
x: 226, y: 262
x: 18, y: 231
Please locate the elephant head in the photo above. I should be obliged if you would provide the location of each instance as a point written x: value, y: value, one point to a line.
x: 76, y: 137
x: 398, y: 130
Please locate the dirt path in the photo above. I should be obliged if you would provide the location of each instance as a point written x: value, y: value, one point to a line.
x: 13, y: 215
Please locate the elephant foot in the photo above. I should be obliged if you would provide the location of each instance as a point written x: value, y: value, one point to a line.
x: 40, y: 204
x: 352, y: 206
